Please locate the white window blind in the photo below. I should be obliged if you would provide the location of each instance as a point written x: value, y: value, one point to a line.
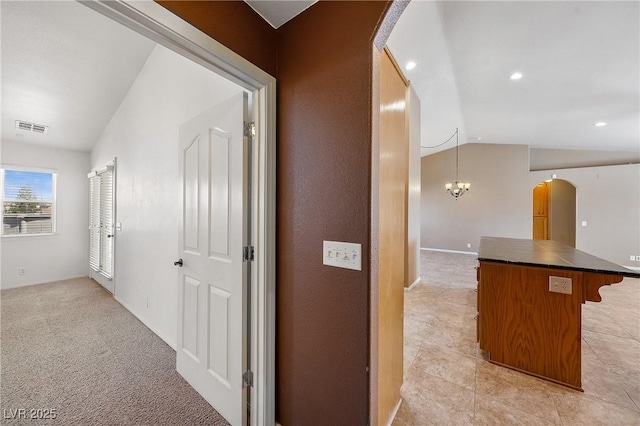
x: 28, y: 201
x: 94, y: 222
x: 101, y: 221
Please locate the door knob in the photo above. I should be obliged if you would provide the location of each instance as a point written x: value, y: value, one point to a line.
x: 178, y: 263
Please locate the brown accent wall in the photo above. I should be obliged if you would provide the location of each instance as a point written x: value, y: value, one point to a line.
x: 323, y: 62
x: 235, y: 25
x: 324, y: 193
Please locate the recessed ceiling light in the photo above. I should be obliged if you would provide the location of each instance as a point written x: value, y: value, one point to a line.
x: 516, y: 76
x: 410, y: 65
x: 600, y: 124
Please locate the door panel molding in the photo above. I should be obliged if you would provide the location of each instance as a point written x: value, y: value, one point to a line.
x: 189, y: 343
x: 218, y: 344
x: 191, y: 190
x: 219, y: 192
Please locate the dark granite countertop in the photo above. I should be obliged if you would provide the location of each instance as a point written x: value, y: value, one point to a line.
x: 546, y: 253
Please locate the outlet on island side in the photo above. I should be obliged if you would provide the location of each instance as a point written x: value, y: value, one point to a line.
x: 559, y: 285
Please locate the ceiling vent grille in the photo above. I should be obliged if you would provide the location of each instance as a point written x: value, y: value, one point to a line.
x: 31, y: 127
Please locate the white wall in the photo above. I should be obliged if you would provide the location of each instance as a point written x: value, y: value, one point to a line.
x: 64, y: 255
x: 608, y: 199
x: 500, y: 201
x: 413, y: 208
x: 562, y: 212
x: 143, y: 135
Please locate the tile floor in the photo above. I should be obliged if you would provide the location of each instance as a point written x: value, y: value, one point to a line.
x: 447, y: 380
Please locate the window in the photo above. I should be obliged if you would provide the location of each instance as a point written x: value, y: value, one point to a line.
x: 28, y: 201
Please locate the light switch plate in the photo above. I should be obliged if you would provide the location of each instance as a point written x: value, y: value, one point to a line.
x: 119, y: 226
x: 342, y: 255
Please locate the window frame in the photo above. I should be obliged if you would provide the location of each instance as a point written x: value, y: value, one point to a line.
x: 54, y: 199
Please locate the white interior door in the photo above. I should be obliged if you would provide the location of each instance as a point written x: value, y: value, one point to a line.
x: 212, y: 309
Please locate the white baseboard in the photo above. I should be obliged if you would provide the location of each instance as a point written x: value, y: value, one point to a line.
x: 415, y: 283
x: 146, y: 323
x: 28, y: 284
x: 475, y: 253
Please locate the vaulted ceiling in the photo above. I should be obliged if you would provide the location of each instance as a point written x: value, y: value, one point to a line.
x: 66, y: 67
x: 579, y: 61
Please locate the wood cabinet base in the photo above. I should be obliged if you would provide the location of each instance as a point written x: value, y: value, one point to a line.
x: 549, y: 379
x: 526, y: 327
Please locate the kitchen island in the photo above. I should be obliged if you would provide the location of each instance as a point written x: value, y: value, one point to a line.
x: 530, y: 296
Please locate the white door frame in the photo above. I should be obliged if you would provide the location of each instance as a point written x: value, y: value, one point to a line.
x: 157, y: 23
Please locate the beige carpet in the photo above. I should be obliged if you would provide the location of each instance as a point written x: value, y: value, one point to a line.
x: 69, y: 346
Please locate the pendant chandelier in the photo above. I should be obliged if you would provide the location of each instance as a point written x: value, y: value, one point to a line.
x: 457, y: 188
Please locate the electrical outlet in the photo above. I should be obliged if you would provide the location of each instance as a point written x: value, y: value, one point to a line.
x: 560, y: 285
x: 632, y: 257
x: 22, y: 271
x: 468, y: 245
x: 637, y: 258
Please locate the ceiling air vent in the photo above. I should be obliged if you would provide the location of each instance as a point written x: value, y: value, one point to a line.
x: 30, y: 127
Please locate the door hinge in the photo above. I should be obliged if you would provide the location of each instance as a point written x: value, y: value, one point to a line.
x: 247, y: 253
x: 247, y: 379
x: 250, y: 129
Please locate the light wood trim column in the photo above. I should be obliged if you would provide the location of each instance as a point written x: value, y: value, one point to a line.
x: 393, y: 172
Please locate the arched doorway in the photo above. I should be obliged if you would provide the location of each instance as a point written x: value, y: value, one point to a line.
x: 554, y: 211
